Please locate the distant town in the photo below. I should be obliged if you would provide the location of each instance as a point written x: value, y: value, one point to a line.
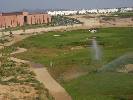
x: 90, y: 11
x: 13, y: 19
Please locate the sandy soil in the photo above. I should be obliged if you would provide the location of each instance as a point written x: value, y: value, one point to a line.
x: 95, y: 21
x: 38, y: 30
x: 117, y: 22
x: 17, y: 92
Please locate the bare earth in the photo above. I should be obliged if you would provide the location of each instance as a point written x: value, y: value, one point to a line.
x: 90, y: 21
x: 17, y: 92
x: 42, y: 74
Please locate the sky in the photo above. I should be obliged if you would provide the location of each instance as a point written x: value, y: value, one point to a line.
x: 15, y: 5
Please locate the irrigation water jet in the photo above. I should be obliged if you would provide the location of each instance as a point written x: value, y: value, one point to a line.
x: 118, y: 63
x: 96, y: 51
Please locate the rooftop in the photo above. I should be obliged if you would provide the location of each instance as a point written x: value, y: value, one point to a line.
x: 14, y: 13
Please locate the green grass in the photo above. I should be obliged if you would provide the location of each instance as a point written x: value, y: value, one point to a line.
x: 124, y: 15
x: 46, y: 48
x: 115, y: 42
x: 101, y: 86
x: 47, y: 40
x: 118, y: 15
x: 58, y: 48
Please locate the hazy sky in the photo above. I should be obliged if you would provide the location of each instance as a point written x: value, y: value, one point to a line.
x: 14, y: 5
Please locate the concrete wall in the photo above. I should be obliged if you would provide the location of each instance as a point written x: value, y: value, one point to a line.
x: 38, y: 18
x: 17, y: 19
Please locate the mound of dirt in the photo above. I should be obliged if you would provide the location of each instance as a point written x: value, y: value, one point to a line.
x: 127, y: 69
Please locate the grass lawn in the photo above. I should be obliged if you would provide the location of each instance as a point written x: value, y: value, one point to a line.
x: 118, y: 15
x: 47, y: 49
x: 101, y: 86
x: 124, y: 15
x: 66, y: 54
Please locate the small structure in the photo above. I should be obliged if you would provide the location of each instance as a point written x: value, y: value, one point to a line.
x: 93, y: 30
x: 56, y: 35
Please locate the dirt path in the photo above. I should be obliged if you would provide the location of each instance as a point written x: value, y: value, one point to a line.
x: 54, y: 88
x: 15, y: 39
x: 42, y: 74
x: 44, y: 29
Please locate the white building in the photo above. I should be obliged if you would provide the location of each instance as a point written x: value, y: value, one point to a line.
x: 55, y: 13
x: 104, y: 11
x: 82, y: 11
x: 92, y: 11
x: 126, y: 9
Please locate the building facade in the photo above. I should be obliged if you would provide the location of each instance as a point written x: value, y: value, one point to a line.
x: 21, y: 18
